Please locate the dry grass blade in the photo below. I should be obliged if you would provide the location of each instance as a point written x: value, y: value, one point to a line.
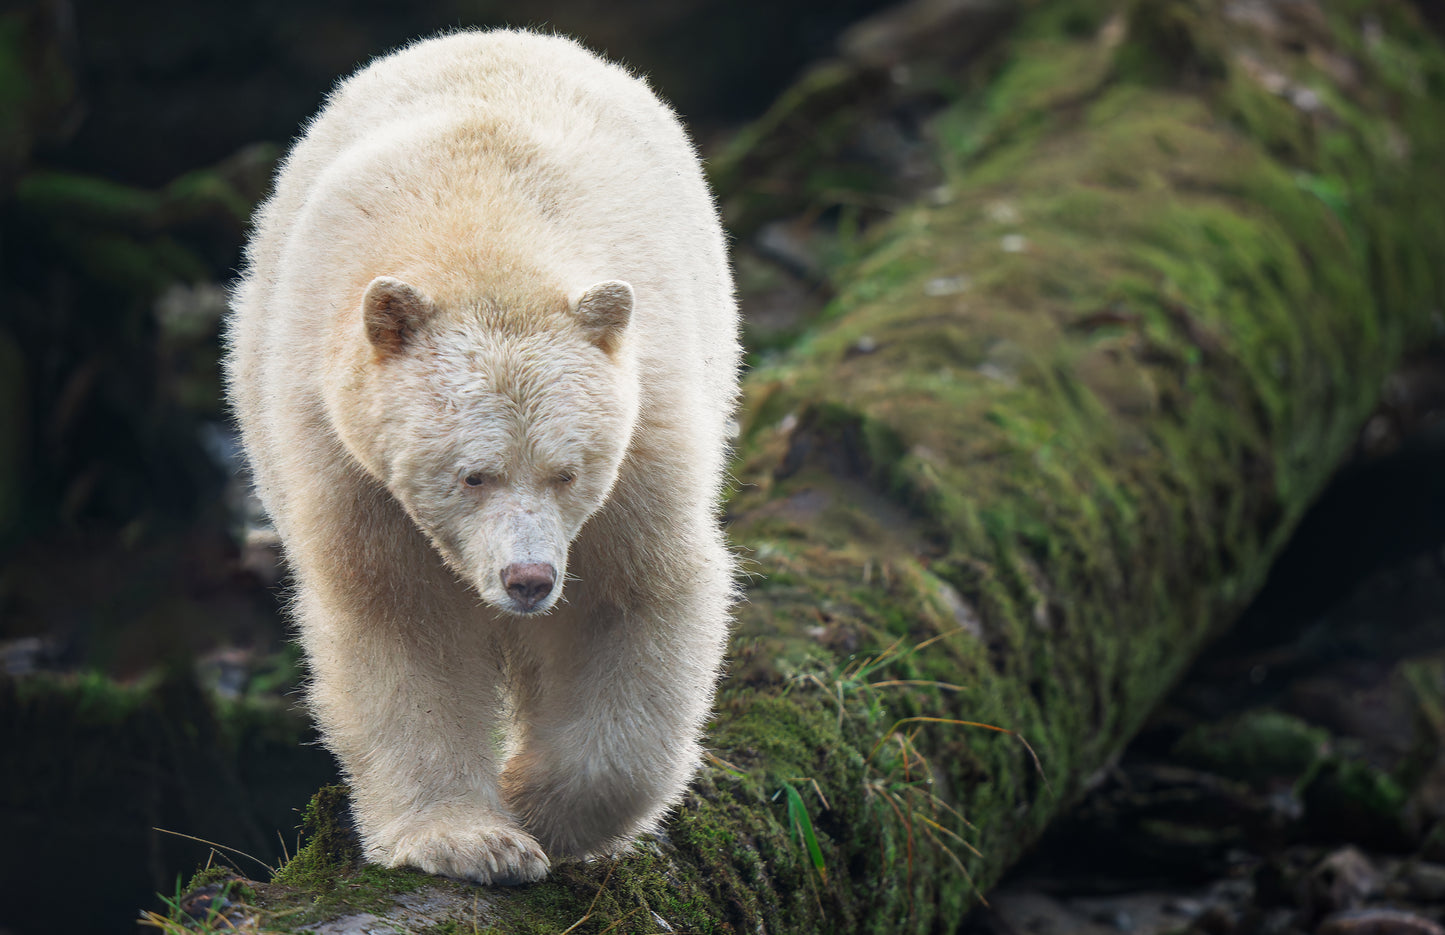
x: 934, y: 639
x: 593, y: 905
x: 613, y: 925
x: 890, y: 683
x: 957, y: 863
x: 821, y: 797
x: 904, y: 818
x: 953, y: 811
x: 1038, y: 765
x: 233, y: 850
x: 724, y: 765
x: 952, y: 834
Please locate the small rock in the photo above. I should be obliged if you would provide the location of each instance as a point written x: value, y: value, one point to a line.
x: 1306, y: 100
x: 1117, y: 919
x: 1013, y: 243
x: 210, y: 907
x: 1184, y: 908
x: 1276, y: 921
x: 27, y: 654
x: 1216, y: 920
x: 998, y: 374
x: 1002, y: 212
x: 964, y: 615
x: 1378, y: 922
x: 1233, y: 891
x: 1424, y: 882
x: 1343, y: 880
x: 789, y: 247
x: 945, y: 285
x: 191, y: 311
x: 227, y: 670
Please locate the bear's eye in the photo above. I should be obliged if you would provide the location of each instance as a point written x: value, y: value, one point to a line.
x: 563, y: 478
x: 479, y: 479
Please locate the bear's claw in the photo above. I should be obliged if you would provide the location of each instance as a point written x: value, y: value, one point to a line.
x: 499, y: 855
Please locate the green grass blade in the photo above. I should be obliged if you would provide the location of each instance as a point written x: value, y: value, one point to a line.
x: 798, y: 816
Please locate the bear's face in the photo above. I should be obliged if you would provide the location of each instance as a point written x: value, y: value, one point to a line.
x: 501, y: 445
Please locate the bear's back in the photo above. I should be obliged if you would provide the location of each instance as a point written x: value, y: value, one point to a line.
x: 605, y: 126
x: 547, y: 84
x: 606, y: 164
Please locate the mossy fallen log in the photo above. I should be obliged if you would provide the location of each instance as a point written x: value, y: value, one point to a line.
x: 1043, y: 444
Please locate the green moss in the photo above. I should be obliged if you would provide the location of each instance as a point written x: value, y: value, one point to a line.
x: 788, y: 156
x: 450, y: 927
x: 88, y: 199
x: 1168, y: 41
x: 205, y: 190
x: 330, y: 848
x: 327, y: 877
x: 121, y: 236
x: 1258, y: 747
x: 236, y: 889
x: 1352, y: 800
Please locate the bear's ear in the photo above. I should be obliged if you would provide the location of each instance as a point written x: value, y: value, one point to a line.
x: 393, y: 311
x: 603, y: 310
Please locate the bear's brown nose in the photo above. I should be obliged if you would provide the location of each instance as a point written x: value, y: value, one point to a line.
x: 528, y: 584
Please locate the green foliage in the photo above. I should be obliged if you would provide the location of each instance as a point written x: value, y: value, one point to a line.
x: 1358, y: 800
x: 1259, y: 747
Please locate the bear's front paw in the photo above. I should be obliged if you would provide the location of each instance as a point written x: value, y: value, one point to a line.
x: 486, y: 853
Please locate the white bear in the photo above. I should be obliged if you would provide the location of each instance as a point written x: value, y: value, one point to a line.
x: 483, y: 356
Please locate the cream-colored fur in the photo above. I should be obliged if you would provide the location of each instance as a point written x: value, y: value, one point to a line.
x: 486, y: 325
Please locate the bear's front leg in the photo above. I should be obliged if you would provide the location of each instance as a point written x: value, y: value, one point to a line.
x: 610, y: 716
x: 406, y: 690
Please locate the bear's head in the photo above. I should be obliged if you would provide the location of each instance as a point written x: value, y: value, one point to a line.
x: 499, y: 429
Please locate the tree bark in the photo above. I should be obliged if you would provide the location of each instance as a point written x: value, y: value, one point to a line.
x: 1041, y: 446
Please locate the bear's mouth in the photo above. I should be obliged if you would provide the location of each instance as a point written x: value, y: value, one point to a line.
x: 540, y: 610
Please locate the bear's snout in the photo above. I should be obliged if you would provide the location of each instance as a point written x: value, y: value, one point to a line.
x: 528, y: 584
